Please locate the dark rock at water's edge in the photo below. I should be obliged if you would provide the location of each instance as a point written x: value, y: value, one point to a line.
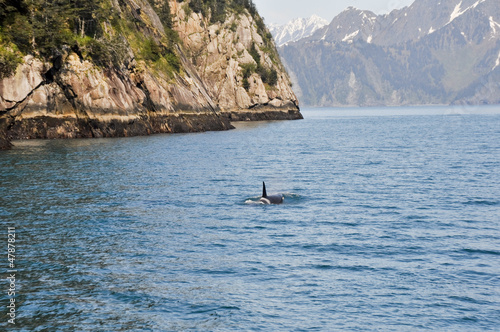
x: 5, y: 144
x: 44, y: 127
x: 264, y: 113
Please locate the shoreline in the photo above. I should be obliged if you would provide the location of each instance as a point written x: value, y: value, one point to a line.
x: 49, y: 127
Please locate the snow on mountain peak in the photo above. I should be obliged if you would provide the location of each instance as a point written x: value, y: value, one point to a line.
x: 458, y: 9
x: 296, y: 29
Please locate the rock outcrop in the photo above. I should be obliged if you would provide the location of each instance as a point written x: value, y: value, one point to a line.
x: 70, y: 96
x: 219, y: 54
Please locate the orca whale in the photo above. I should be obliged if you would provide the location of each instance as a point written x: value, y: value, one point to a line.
x: 272, y: 199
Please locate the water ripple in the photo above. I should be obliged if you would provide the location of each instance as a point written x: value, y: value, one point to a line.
x: 389, y: 223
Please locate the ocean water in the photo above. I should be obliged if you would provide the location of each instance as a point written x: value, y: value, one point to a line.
x: 391, y: 222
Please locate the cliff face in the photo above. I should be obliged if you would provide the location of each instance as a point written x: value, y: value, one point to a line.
x: 223, y: 70
x: 221, y: 57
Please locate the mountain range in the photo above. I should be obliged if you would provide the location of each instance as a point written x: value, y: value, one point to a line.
x: 431, y: 52
x: 296, y: 29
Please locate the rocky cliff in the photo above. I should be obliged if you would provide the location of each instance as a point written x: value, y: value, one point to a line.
x: 192, y: 73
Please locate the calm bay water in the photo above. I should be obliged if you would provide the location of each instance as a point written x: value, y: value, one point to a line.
x: 391, y: 221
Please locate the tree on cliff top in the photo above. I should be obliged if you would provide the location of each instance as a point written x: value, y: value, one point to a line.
x: 44, y: 26
x: 99, y: 32
x: 93, y: 28
x: 217, y: 9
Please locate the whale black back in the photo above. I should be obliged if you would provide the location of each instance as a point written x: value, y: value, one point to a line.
x: 273, y: 199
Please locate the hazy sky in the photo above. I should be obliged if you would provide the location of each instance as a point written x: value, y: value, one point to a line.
x: 282, y: 11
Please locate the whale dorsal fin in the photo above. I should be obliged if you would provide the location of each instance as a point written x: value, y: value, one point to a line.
x: 264, y: 193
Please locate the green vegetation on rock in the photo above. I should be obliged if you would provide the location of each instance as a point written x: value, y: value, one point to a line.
x: 218, y: 9
x: 94, y: 29
x: 10, y: 57
x: 268, y: 76
x: 111, y: 37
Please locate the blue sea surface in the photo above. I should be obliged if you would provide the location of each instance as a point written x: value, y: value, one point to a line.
x: 391, y: 222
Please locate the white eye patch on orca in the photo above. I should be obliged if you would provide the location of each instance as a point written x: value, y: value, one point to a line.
x: 271, y: 199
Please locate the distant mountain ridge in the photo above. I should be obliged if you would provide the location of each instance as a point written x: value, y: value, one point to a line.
x: 296, y: 29
x: 445, y: 52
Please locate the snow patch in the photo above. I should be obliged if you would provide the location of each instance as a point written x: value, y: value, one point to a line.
x: 350, y: 36
x: 366, y: 17
x: 369, y: 39
x: 297, y: 29
x: 350, y: 8
x: 458, y: 10
x: 494, y: 25
x: 431, y: 30
x: 497, y: 63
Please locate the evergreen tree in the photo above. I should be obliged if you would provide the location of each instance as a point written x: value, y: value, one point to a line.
x: 49, y: 21
x: 218, y: 11
x: 166, y: 15
x: 162, y: 8
x: 196, y: 5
